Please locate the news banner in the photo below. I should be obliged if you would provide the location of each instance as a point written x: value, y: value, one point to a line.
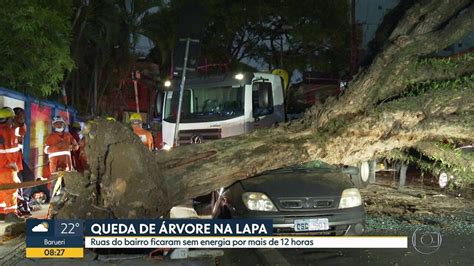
x: 69, y: 238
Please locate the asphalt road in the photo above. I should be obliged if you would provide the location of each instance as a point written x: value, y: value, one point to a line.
x: 454, y: 250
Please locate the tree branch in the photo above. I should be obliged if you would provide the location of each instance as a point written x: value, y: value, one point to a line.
x: 427, y: 17
x: 448, y: 157
x: 455, y: 29
x: 432, y: 69
x: 397, y: 56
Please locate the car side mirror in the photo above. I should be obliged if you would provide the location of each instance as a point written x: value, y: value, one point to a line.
x: 350, y: 170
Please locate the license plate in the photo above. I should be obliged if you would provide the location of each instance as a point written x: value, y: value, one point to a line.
x: 311, y: 224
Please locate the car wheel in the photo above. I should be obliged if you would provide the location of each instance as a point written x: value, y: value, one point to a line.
x: 362, y: 179
x: 355, y: 230
x: 443, y: 180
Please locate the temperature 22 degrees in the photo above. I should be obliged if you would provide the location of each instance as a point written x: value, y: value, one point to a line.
x: 69, y: 228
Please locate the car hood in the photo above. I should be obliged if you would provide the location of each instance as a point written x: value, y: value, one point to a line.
x: 297, y: 183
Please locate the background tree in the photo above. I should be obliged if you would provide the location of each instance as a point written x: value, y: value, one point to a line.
x: 103, y: 47
x: 34, y: 45
x: 266, y: 33
x: 86, y: 45
x: 91, y: 49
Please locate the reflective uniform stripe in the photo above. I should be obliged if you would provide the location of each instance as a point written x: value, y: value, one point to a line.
x: 11, y: 150
x: 3, y: 205
x: 46, y: 149
x: 143, y: 138
x: 17, y: 132
x: 59, y: 153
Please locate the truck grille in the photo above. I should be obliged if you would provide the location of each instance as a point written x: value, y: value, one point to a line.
x: 198, y: 136
x: 306, y: 203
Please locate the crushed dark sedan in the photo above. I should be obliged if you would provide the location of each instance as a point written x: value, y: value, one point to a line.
x: 312, y: 199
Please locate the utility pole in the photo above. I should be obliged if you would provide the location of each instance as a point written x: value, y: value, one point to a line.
x: 181, y: 89
x: 96, y: 70
x: 353, y: 57
x: 63, y: 90
x: 190, y: 29
x: 135, y: 78
x: 281, y: 51
x: 285, y: 29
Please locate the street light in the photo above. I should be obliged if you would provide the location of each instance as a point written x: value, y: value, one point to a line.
x: 239, y: 76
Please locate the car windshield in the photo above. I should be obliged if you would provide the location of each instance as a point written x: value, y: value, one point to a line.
x: 318, y: 166
x: 205, y: 104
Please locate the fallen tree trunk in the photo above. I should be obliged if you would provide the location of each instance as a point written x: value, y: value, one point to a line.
x: 127, y: 181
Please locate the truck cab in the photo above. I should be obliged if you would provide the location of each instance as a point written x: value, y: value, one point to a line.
x: 222, y: 106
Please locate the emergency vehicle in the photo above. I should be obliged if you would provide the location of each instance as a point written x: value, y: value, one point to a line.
x: 221, y: 106
x: 38, y: 118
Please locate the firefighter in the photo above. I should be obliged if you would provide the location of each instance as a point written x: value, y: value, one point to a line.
x: 58, y: 146
x: 156, y: 130
x: 144, y: 135
x: 79, y: 160
x: 19, y: 124
x: 10, y: 164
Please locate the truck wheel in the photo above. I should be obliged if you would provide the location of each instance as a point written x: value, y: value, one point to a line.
x: 362, y: 179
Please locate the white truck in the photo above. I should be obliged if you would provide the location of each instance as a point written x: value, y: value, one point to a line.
x: 228, y: 105
x: 222, y: 106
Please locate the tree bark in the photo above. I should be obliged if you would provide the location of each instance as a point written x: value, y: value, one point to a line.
x: 402, y: 176
x: 415, y: 36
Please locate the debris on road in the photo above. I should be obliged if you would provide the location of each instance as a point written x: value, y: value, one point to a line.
x: 391, y: 210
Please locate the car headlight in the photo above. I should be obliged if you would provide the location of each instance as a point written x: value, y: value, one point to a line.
x: 350, y: 198
x: 257, y: 201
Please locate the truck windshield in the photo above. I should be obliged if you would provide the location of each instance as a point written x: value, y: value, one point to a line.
x: 205, y: 104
